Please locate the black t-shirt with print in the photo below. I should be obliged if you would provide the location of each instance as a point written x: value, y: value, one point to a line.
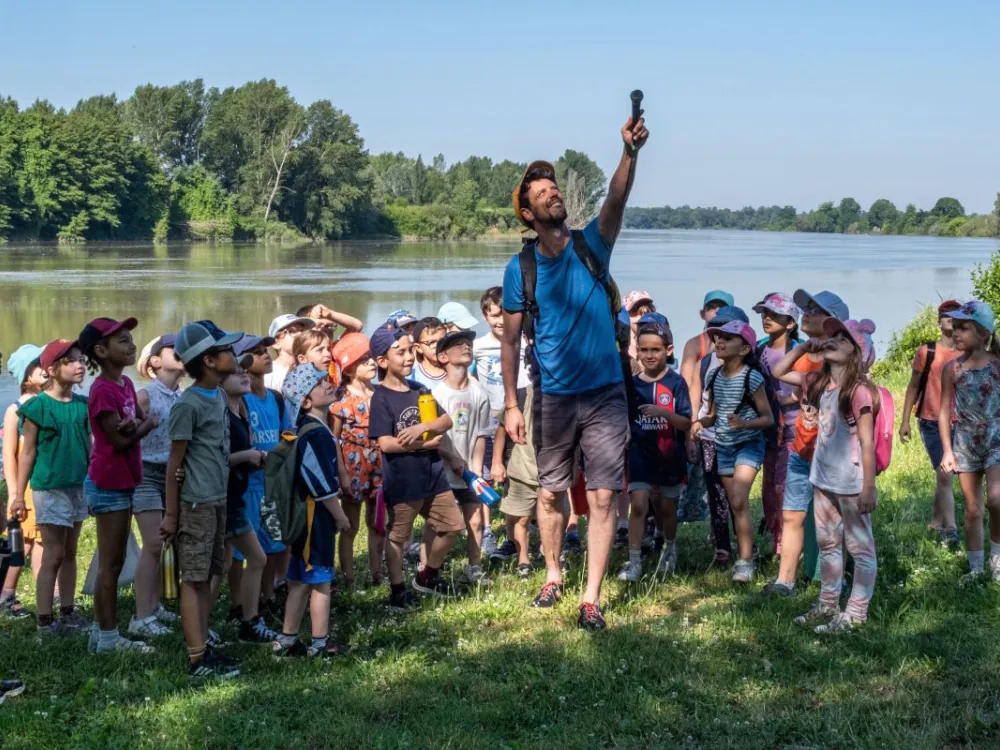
x: 405, y: 476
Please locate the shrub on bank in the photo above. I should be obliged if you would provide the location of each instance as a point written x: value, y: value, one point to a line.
x: 923, y: 329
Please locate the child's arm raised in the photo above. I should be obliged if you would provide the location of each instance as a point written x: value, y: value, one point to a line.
x: 168, y: 528
x: 784, y: 371
x: 948, y: 463
x: 25, y: 466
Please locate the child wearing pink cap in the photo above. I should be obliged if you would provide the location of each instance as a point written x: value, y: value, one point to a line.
x: 740, y: 412
x: 843, y: 472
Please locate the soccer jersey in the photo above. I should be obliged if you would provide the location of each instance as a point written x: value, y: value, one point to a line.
x: 656, y: 452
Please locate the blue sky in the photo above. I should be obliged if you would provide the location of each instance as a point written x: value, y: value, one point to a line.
x: 748, y: 103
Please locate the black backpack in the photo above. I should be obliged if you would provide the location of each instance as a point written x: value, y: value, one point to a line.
x: 529, y: 278
x: 772, y: 433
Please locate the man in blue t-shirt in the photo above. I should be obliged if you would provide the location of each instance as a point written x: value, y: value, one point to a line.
x: 575, y: 366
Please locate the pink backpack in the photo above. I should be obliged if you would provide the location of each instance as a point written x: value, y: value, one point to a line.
x: 885, y: 422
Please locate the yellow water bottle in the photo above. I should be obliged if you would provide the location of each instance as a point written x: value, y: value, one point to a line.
x: 428, y: 410
x: 168, y: 573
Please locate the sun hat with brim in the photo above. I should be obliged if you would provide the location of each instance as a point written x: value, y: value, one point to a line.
x: 828, y: 302
x: 737, y: 328
x: 455, y: 337
x: 153, y: 349
x: 978, y: 312
x: 282, y: 322
x: 54, y: 351
x: 860, y: 332
x: 728, y: 314
x: 718, y: 295
x: 101, y: 328
x: 195, y: 339
x: 631, y: 300
x: 384, y: 338
x: 21, y: 360
x: 779, y: 304
x: 299, y: 384
x: 948, y: 306
x: 350, y: 349
x: 540, y: 165
x: 455, y: 313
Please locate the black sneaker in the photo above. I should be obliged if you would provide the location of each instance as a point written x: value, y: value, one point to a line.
x: 548, y: 597
x: 404, y: 601
x: 235, y: 616
x: 256, y: 631
x: 296, y: 650
x: 621, y: 536
x: 504, y: 552
x: 210, y: 666
x: 221, y: 658
x: 436, y: 587
x: 524, y: 570
x: 10, y: 689
x: 591, y: 618
x: 215, y: 640
x: 12, y: 609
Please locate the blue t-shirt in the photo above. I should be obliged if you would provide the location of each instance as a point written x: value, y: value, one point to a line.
x: 656, y: 453
x: 574, y: 333
x: 316, y: 453
x: 266, y: 425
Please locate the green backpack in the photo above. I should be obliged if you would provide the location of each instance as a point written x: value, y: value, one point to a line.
x: 282, y: 514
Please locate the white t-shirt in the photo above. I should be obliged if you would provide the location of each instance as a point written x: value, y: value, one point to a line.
x: 470, y: 411
x: 486, y: 350
x: 419, y: 375
x: 276, y: 378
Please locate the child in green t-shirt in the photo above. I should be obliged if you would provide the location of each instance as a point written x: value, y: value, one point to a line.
x: 54, y: 460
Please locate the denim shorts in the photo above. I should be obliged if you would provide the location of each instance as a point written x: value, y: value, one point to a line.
x: 749, y: 453
x: 315, y: 575
x: 798, y: 488
x: 106, y: 501
x: 667, y: 491
x: 931, y: 436
x: 152, y: 491
x: 63, y: 507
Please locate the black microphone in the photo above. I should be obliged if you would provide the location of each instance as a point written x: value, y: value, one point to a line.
x: 636, y: 101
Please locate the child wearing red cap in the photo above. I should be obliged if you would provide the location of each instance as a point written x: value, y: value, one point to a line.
x: 359, y: 460
x: 54, y: 459
x: 117, y: 424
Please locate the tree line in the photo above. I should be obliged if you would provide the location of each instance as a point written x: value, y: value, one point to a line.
x: 947, y: 218
x: 245, y: 162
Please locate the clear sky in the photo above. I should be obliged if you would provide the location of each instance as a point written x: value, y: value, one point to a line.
x: 747, y: 102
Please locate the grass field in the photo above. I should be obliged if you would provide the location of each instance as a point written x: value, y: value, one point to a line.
x: 692, y: 662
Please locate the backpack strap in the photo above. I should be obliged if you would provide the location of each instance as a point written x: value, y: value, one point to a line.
x: 706, y: 362
x: 529, y: 279
x: 281, y: 404
x: 925, y: 375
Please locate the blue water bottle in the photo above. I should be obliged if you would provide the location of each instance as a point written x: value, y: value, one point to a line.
x: 481, y: 488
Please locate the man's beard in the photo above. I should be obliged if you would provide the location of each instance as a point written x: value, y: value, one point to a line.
x: 556, y: 217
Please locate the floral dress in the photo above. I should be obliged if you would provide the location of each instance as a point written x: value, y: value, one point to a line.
x: 362, y: 458
x: 976, y: 415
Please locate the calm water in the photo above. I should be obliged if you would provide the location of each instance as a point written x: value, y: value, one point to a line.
x: 49, y: 292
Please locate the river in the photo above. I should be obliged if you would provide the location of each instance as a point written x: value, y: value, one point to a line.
x: 51, y: 291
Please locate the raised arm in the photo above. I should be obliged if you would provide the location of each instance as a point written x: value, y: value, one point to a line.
x: 609, y: 222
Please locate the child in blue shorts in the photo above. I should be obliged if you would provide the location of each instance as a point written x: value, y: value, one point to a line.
x: 309, y: 393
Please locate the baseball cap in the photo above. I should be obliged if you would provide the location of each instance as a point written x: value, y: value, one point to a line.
x: 778, y: 303
x: 100, y: 328
x: 350, y: 349
x: 455, y: 337
x: 978, y: 312
x: 658, y: 324
x: 153, y: 349
x: 299, y: 383
x: 195, y: 339
x: 718, y: 295
x: 54, y: 351
x: 654, y: 318
x: 21, y: 359
x: 728, y: 314
x: 401, y: 318
x: 282, y: 322
x: 249, y: 341
x: 828, y: 302
x: 540, y: 165
x: 457, y: 314
x: 860, y: 332
x: 422, y: 325
x: 947, y: 306
x: 384, y: 338
x: 634, y: 298
x: 737, y: 328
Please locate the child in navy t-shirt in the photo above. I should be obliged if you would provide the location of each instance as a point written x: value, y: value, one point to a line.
x: 657, y: 457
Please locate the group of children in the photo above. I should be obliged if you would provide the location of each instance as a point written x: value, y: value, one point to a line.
x: 256, y: 467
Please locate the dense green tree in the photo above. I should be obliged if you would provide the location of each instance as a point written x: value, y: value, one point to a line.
x: 882, y: 213
x: 10, y: 164
x: 169, y: 120
x: 947, y: 208
x: 848, y: 214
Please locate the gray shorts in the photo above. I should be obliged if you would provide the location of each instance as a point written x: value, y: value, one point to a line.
x: 151, y: 494
x: 63, y: 507
x: 597, y: 421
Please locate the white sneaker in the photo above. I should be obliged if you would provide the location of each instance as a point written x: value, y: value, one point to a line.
x: 124, y: 644
x: 165, y: 616
x: 489, y: 544
x: 668, y: 560
x: 474, y: 575
x: 147, y: 626
x: 817, y: 612
x: 632, y: 572
x: 743, y: 571
x: 841, y: 623
x: 995, y: 567
x: 412, y: 550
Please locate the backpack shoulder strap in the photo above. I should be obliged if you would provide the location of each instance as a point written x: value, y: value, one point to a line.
x: 593, y: 265
x: 925, y: 375
x: 705, y: 363
x: 529, y: 280
x: 281, y: 403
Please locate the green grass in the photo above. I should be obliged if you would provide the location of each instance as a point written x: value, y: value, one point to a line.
x: 693, y: 662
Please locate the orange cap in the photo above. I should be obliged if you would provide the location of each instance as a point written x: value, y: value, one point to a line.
x: 516, y: 196
x: 351, y: 348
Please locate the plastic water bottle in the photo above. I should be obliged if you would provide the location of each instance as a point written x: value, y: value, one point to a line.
x: 168, y: 573
x: 15, y: 538
x: 481, y: 488
x: 428, y: 410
